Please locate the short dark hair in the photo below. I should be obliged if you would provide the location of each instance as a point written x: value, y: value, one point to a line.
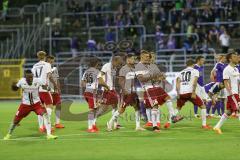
x: 230, y: 53
x: 198, y: 58
x: 27, y: 72
x: 189, y: 62
x: 50, y: 57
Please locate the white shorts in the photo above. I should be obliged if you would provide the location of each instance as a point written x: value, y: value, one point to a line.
x: 200, y: 91
x: 222, y: 93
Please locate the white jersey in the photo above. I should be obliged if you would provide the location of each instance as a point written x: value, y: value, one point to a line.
x: 146, y: 70
x: 90, y: 76
x: 30, y: 92
x: 231, y: 73
x: 40, y: 70
x: 55, y: 77
x: 109, y: 75
x: 127, y: 72
x: 187, y: 77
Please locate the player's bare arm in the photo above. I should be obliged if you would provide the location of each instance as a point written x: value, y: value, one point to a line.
x: 56, y: 87
x: 121, y: 82
x: 101, y: 82
x: 194, y: 87
x: 14, y: 86
x: 212, y: 75
x: 178, y: 81
x: 228, y: 86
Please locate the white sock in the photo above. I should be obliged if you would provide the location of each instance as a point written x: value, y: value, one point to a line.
x: 90, y: 123
x: 94, y: 121
x: 115, y: 120
x: 170, y: 110
x: 204, y: 118
x: 158, y: 116
x: 49, y: 112
x: 148, y: 113
x: 57, y: 114
x: 154, y: 113
x: 221, y: 121
x: 90, y: 119
x: 40, y: 121
x: 47, y: 123
x: 114, y: 117
x: 176, y: 111
x: 137, y: 117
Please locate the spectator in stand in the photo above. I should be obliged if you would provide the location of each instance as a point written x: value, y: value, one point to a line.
x: 110, y: 36
x: 74, y: 46
x: 159, y: 35
x: 162, y: 17
x: 91, y: 45
x: 171, y: 44
x: 224, y: 41
x: 213, y: 34
x: 55, y: 34
x: 87, y: 6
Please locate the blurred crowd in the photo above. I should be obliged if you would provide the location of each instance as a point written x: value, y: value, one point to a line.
x: 164, y: 19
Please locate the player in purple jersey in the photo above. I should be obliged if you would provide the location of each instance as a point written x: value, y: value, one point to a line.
x: 218, y: 72
x: 200, y: 60
x: 212, y: 89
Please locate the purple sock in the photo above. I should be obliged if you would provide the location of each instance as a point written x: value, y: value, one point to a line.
x: 218, y: 107
x: 214, y: 108
x: 195, y: 109
x: 208, y: 106
x: 222, y: 106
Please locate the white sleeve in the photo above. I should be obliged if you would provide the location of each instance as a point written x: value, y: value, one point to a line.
x: 48, y: 68
x: 20, y: 82
x: 196, y: 73
x: 225, y: 74
x: 105, y: 68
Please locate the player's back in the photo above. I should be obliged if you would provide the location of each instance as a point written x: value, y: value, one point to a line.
x: 90, y: 77
x: 187, y: 77
x: 41, y: 69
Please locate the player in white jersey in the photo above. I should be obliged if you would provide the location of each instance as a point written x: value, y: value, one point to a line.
x: 153, y: 96
x: 90, y: 83
x: 186, y: 90
x: 108, y: 78
x: 43, y: 71
x: 30, y: 102
x: 56, y: 94
x: 128, y: 96
x: 231, y: 83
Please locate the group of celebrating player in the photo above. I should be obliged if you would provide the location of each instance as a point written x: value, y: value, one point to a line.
x: 135, y: 81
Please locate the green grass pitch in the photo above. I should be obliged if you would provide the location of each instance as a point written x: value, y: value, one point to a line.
x: 184, y: 141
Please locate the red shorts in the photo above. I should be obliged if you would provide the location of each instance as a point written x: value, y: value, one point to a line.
x: 130, y: 99
x: 90, y: 99
x: 233, y: 102
x: 110, y: 97
x: 156, y: 94
x: 24, y: 110
x: 46, y: 98
x: 187, y: 97
x: 56, y: 98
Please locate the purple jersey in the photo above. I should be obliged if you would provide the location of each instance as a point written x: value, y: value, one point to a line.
x: 219, y: 67
x: 212, y: 87
x: 238, y: 67
x: 201, y: 70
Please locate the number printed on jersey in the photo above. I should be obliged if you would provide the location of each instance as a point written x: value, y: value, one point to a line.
x: 38, y: 71
x: 185, y: 77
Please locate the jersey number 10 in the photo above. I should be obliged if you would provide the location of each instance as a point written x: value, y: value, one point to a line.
x: 186, y: 76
